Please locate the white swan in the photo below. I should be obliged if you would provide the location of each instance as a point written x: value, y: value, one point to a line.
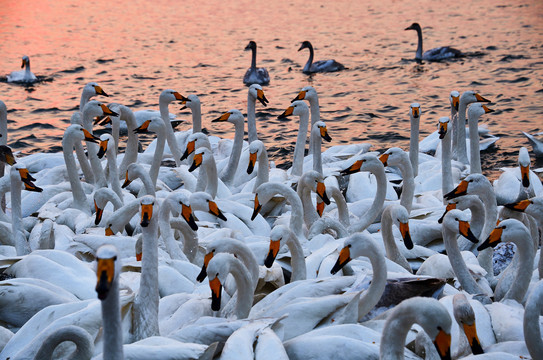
x: 165, y: 98
x: 320, y: 65
x: 396, y: 214
x: 399, y: 158
x: 136, y: 171
x: 311, y: 181
x: 255, y: 93
x: 532, y: 312
x: 310, y: 94
x: 435, y: 54
x: 107, y: 147
x: 474, y: 112
x: 235, y: 117
x: 23, y: 76
x: 319, y: 132
x: 298, y: 108
x: 447, y: 183
x: 467, y: 97
x: 537, y: 145
x: 192, y: 102
x: 255, y: 75
x: 281, y: 235
x: 414, y: 116
x: 155, y: 125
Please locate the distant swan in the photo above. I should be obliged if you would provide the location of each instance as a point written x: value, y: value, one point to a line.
x: 23, y: 76
x: 435, y: 54
x: 255, y: 75
x: 321, y: 65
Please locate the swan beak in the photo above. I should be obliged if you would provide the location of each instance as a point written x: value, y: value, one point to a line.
x: 465, y: 231
x: 104, y: 272
x: 261, y: 97
x: 23, y: 64
x: 321, y: 191
x: 344, y: 258
x: 103, y: 148
x: 286, y: 113
x: 272, y: 253
x: 99, y: 213
x: 455, y: 102
x: 303, y: 46
x: 320, y: 208
x: 27, y: 180
x: 186, y: 212
x: 191, y: 146
x: 184, y: 102
x: 450, y: 206
x: 442, y: 343
x: 146, y: 214
x: 223, y: 117
x: 178, y: 96
x: 353, y: 168
x: 139, y: 256
x: 109, y: 232
x: 384, y: 159
x: 202, y: 275
x: 29, y: 186
x: 127, y: 181
x: 214, y: 210
x: 196, y: 162
x: 108, y: 111
x: 404, y: 230
x: 252, y: 162
x: 256, y: 208
x: 102, y: 121
x: 525, y: 173
x: 493, y: 239
x: 100, y: 91
x: 324, y: 134
x: 519, y: 206
x: 442, y: 130
x: 415, y: 112
x: 461, y: 189
x: 410, y: 27
x: 90, y: 137
x: 143, y: 128
x: 473, y: 339
x: 216, y: 287
x: 487, y: 110
x: 300, y: 96
x: 480, y: 98
x: 10, y: 159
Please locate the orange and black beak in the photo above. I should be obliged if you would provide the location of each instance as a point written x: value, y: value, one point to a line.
x: 487, y: 110
x: 525, y: 174
x: 143, y: 128
x: 105, y: 272
x: 320, y: 207
x: 493, y: 239
x: 415, y: 112
x: 103, y: 148
x: 99, y: 213
x: 214, y: 210
x: 108, y: 111
x: 473, y: 339
x: 286, y: 113
x: 186, y: 212
x: 252, y: 162
x: 519, y: 205
x: 321, y: 191
x: 272, y: 253
x: 180, y: 97
x: 384, y: 159
x: 127, y: 180
x: 8, y: 155
x: 455, y: 102
x: 196, y: 162
x: 442, y: 343
x: 109, y: 231
x: 461, y: 189
x: 216, y: 289
x: 342, y: 260
x: 102, y: 121
x: 184, y: 102
x: 442, y: 130
x: 261, y: 97
x: 100, y: 91
x: 146, y: 214
x: 449, y: 207
x: 90, y: 137
x: 354, y: 168
x: 324, y: 134
x: 202, y: 275
x: 191, y: 146
x: 465, y: 231
x: 223, y: 117
x: 27, y: 180
x: 300, y: 96
x: 480, y: 98
x: 23, y: 64
x: 256, y: 208
x: 404, y: 230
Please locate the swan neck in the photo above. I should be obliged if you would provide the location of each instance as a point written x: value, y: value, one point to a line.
x: 474, y: 153
x: 253, y: 58
x: 523, y: 267
x: 79, y: 197
x: 446, y: 170
x: 245, y: 290
x: 197, y: 119
x: 131, y: 150
x: 111, y: 319
x: 377, y: 287
x: 297, y: 259
x: 212, y: 177
x: 315, y: 117
x: 19, y: 239
x: 298, y: 160
x: 233, y: 161
x: 263, y: 172
x: 392, y: 251
x: 461, y: 151
x: 532, y: 311
x: 315, y: 147
x: 418, y: 55
x: 114, y: 176
x: 393, y: 344
x: 310, y: 213
x: 377, y: 204
x: 77, y: 335
x: 307, y: 67
x: 408, y: 188
x: 170, y: 135
x: 251, y: 119
x: 414, y: 145
x: 157, y: 156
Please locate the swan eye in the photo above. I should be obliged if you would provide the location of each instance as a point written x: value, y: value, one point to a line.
x: 349, y: 245
x: 456, y: 219
x: 115, y: 258
x: 504, y: 227
x: 217, y: 275
x: 213, y: 250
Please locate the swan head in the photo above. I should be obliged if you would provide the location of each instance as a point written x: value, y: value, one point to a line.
x: 520, y: 205
x: 507, y: 230
x: 195, y: 141
x: 218, y: 268
x: 278, y: 236
x: 25, y: 61
x: 365, y: 162
x: 306, y: 45
x: 233, y: 116
x: 92, y: 89
x: 255, y: 148
x: 457, y: 221
x: 192, y: 102
x: 465, y: 317
x: 358, y: 244
x: 524, y: 164
x: 307, y: 93
x: 322, y: 130
x: 454, y: 99
x: 251, y: 46
x: 442, y: 127
x: 201, y: 155
x: 478, y: 109
x: 314, y: 180
x: 20, y: 171
x: 182, y: 198
x: 471, y: 96
x: 297, y: 108
x: 95, y: 108
x: 400, y: 217
x: 76, y: 132
x: 414, y: 26
x: 107, y: 269
x: 394, y: 157
x: 414, y: 110
x: 6, y: 155
x: 106, y: 141
x: 169, y: 95
x: 256, y: 93
x: 155, y: 124
x: 472, y: 184
x: 146, y: 209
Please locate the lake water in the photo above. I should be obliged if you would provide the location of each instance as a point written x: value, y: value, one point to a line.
x: 135, y: 49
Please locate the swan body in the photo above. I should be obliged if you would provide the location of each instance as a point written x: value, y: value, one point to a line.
x: 255, y: 75
x: 25, y: 76
x: 321, y: 65
x: 537, y: 145
x: 435, y: 54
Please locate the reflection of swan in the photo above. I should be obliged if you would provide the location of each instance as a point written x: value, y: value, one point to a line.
x: 255, y: 75
x: 321, y: 65
x: 25, y: 76
x: 435, y: 54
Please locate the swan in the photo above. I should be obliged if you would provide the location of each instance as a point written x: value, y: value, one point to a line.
x: 192, y: 102
x: 319, y: 132
x: 532, y: 312
x: 414, y: 116
x: 80, y: 337
x: 311, y: 181
x: 435, y: 54
x: 454, y: 100
x: 107, y: 147
x: 165, y: 98
x: 467, y: 97
x: 298, y: 108
x: 474, y: 112
x: 399, y: 158
x: 537, y: 145
x: 207, y: 179
x: 310, y: 94
x: 235, y: 117
x: 135, y: 171
x: 23, y: 76
x: 131, y: 148
x: 279, y: 236
x: 255, y: 75
x: 447, y: 183
x: 255, y: 93
x: 155, y: 125
x: 321, y: 65
x: 476, y: 207
x: 396, y: 214
x: 465, y: 317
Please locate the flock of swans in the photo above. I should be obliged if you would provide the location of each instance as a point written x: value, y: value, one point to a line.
x: 105, y: 253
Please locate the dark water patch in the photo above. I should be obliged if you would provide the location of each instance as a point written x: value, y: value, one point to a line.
x: 72, y: 71
x: 32, y: 126
x: 143, y: 77
x: 491, y: 48
x: 46, y: 110
x: 513, y: 81
x: 387, y: 109
x: 509, y: 58
x: 476, y: 83
x: 202, y: 65
x: 539, y: 91
x: 104, y: 61
x: 509, y: 69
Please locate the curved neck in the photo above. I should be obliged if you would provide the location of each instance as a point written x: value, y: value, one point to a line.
x: 245, y: 290
x: 315, y: 116
x: 121, y: 217
x: 393, y: 344
x: 263, y: 172
x: 342, y: 208
x: 253, y: 58
x: 157, y: 156
x: 307, y: 67
x: 131, y: 150
x: 310, y: 212
x: 377, y: 204
x: 414, y: 145
x: 391, y: 248
x: 418, y: 55
x: 251, y: 118
x: 268, y: 190
x: 315, y: 142
x: 92, y: 151
x: 474, y: 153
x: 524, y: 266
x: 210, y: 171
x: 228, y: 175
x: 461, y: 151
x: 190, y: 241
x: 111, y: 319
x: 446, y: 172
x: 147, y: 182
x: 170, y: 135
x: 323, y: 224
x: 114, y: 172
x: 166, y: 232
x: 377, y: 287
x: 297, y: 259
x: 298, y: 160
x: 408, y: 188
x: 532, y: 311
x: 80, y: 199
x: 488, y: 198
x: 79, y: 336
x: 246, y: 256
x: 19, y: 239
